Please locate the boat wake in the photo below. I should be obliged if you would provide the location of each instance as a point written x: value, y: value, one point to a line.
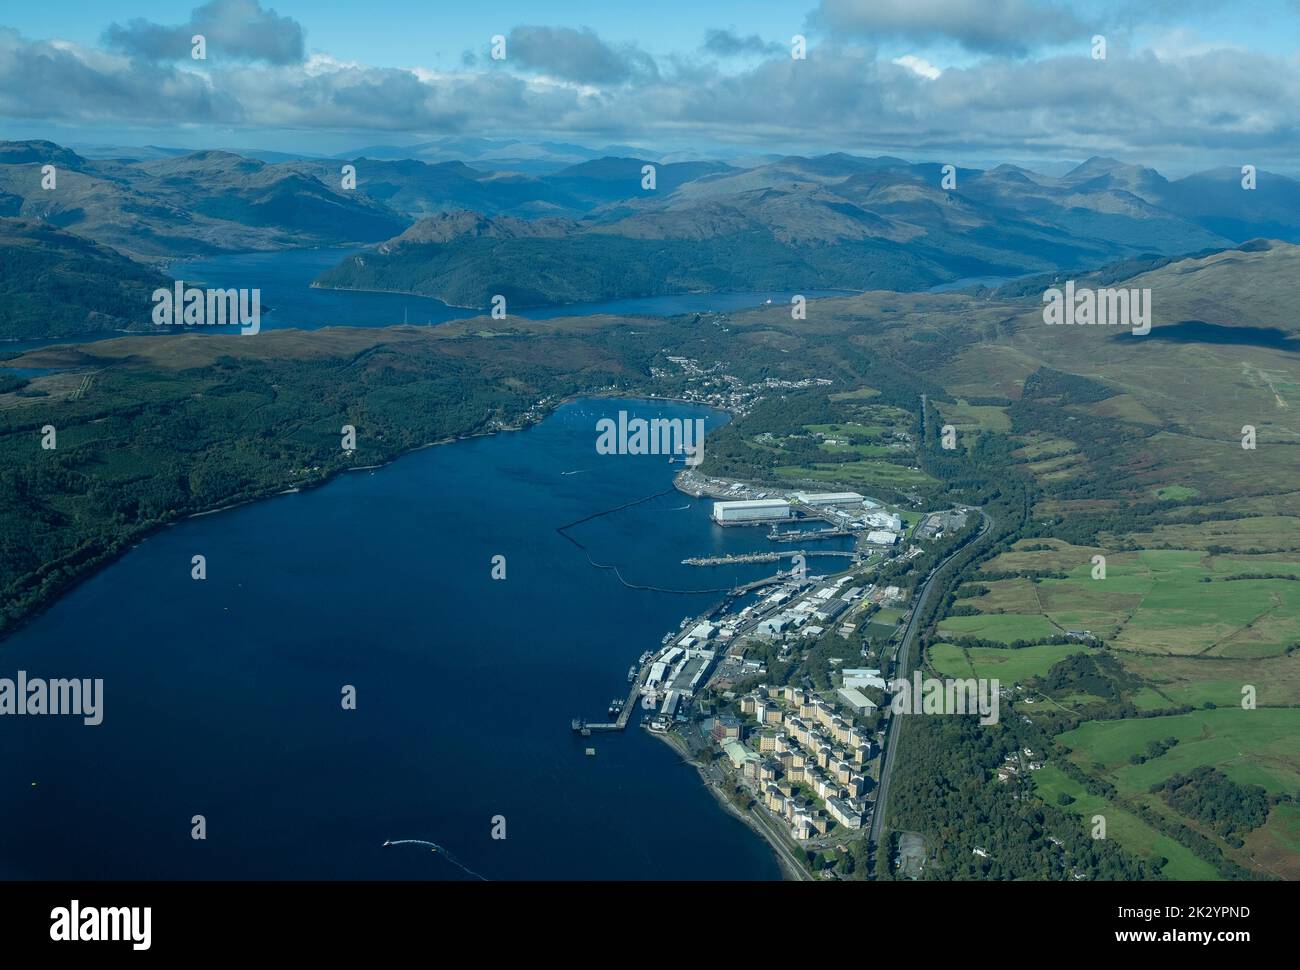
x: 576, y: 471
x: 435, y: 847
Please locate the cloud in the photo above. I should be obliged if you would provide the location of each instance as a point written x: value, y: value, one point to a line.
x: 1215, y: 105
x: 987, y: 26
x: 918, y: 65
x: 57, y: 81
x: 238, y: 29
x: 728, y: 43
x: 577, y: 55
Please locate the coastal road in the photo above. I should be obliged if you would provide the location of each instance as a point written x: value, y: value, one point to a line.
x: 777, y: 840
x: 901, y: 654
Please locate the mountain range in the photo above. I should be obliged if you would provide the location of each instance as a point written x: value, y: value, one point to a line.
x: 590, y: 231
x: 835, y: 221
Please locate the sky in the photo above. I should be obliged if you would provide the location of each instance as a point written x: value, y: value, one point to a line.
x: 1183, y: 85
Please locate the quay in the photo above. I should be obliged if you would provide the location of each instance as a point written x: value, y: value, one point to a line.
x: 762, y: 557
x: 624, y: 716
x: 795, y: 535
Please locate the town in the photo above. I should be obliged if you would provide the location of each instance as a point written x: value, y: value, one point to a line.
x: 804, y: 748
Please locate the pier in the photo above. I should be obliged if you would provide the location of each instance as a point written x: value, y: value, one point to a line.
x: 796, y: 535
x: 762, y: 557
x: 624, y: 716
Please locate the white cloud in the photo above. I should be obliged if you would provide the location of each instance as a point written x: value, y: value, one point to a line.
x: 918, y: 65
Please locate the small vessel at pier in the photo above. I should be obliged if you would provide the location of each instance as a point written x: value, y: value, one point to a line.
x: 631, y: 674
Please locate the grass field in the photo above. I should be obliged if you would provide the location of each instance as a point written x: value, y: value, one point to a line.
x: 1008, y: 666
x: 1276, y: 845
x: 866, y: 474
x: 1128, y: 830
x: 1198, y: 680
x: 1251, y: 747
x: 1002, y: 627
x: 971, y: 417
x: 1165, y: 601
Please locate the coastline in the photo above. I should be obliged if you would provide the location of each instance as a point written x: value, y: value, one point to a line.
x: 111, y: 554
x: 789, y: 872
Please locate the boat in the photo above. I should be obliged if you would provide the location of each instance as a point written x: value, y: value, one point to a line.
x: 631, y: 674
x: 615, y: 706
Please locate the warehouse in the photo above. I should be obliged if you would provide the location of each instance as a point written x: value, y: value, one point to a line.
x: 753, y: 510
x: 817, y: 499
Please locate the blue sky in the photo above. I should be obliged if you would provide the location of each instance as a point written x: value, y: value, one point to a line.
x: 1184, y: 85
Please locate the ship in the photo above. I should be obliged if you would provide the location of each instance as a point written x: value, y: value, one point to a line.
x: 631, y: 674
x: 615, y: 706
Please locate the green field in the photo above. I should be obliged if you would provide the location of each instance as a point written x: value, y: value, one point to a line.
x: 867, y: 474
x: 1008, y: 666
x: 1251, y: 747
x: 971, y: 417
x: 1003, y: 627
x: 1128, y: 830
x: 1196, y: 681
x: 1174, y: 601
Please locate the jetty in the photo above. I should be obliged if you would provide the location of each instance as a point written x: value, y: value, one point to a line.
x: 748, y: 557
x: 796, y: 535
x: 624, y: 716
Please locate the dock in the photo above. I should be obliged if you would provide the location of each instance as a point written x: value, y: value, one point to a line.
x: 796, y: 535
x: 749, y: 557
x: 624, y: 716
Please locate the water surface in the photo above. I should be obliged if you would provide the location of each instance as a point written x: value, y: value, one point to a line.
x: 222, y: 697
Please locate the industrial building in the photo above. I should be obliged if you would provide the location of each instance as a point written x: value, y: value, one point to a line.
x: 857, y: 701
x: 860, y: 677
x: 885, y: 520
x: 818, y: 499
x: 751, y: 510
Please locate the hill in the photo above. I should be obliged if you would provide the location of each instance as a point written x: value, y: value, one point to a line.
x: 834, y: 221
x: 55, y: 284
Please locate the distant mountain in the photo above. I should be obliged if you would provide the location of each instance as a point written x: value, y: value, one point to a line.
x: 56, y: 284
x: 833, y: 221
x: 791, y: 222
x: 187, y: 205
x: 417, y: 188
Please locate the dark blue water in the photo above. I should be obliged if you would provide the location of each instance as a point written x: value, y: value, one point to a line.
x: 1198, y: 331
x: 290, y: 301
x: 222, y: 697
x: 285, y: 280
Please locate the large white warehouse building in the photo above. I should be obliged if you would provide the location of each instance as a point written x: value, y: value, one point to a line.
x: 753, y: 510
x: 817, y: 499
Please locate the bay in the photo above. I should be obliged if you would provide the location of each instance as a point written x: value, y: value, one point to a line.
x: 222, y: 696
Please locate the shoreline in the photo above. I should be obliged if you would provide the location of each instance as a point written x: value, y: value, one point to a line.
x: 788, y: 872
x: 485, y: 311
x: 111, y: 555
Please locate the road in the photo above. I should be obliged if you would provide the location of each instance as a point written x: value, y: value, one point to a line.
x: 901, y: 654
x: 777, y: 840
